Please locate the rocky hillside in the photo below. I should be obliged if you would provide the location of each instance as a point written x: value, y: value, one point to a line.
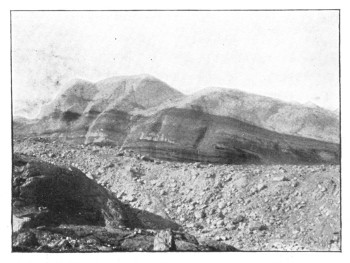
x: 249, y: 207
x: 228, y: 126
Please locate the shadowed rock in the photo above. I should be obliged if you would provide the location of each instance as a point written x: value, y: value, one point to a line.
x: 52, y: 195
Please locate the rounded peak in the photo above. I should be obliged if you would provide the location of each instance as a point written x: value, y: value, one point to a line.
x: 139, y: 77
x: 144, y: 76
x: 211, y: 90
x: 219, y: 92
x: 144, y: 83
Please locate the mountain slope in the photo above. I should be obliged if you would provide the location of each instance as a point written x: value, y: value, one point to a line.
x: 191, y: 135
x: 145, y: 114
x: 88, y: 112
x: 118, y: 93
x: 265, y: 112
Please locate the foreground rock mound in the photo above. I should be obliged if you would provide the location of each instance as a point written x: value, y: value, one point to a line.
x: 51, y: 195
x: 60, y: 209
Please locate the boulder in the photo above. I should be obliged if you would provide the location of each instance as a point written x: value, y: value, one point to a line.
x: 199, y: 214
x: 52, y: 195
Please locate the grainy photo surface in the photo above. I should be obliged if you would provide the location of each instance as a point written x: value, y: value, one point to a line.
x: 176, y: 130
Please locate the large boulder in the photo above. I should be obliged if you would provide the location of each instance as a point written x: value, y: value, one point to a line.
x: 53, y: 195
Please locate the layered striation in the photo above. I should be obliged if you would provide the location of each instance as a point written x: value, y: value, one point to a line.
x: 145, y: 114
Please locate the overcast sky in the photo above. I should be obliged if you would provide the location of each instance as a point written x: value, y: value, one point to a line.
x: 288, y: 55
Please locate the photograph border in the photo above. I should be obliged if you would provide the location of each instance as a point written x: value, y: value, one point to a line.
x: 182, y: 10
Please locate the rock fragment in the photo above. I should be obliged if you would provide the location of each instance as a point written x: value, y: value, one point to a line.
x: 164, y: 241
x: 199, y: 214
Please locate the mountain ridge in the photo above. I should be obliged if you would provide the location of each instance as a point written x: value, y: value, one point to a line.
x: 112, y: 111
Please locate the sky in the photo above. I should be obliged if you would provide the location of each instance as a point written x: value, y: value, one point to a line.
x: 292, y: 56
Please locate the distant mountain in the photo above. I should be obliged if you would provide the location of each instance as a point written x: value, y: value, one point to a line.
x: 118, y: 93
x: 215, y: 125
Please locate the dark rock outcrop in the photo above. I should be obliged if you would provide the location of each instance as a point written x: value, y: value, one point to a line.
x: 51, y: 195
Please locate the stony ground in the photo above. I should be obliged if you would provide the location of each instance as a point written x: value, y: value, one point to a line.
x: 251, y: 207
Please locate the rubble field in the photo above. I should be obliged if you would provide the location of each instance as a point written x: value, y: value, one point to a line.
x: 250, y: 207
